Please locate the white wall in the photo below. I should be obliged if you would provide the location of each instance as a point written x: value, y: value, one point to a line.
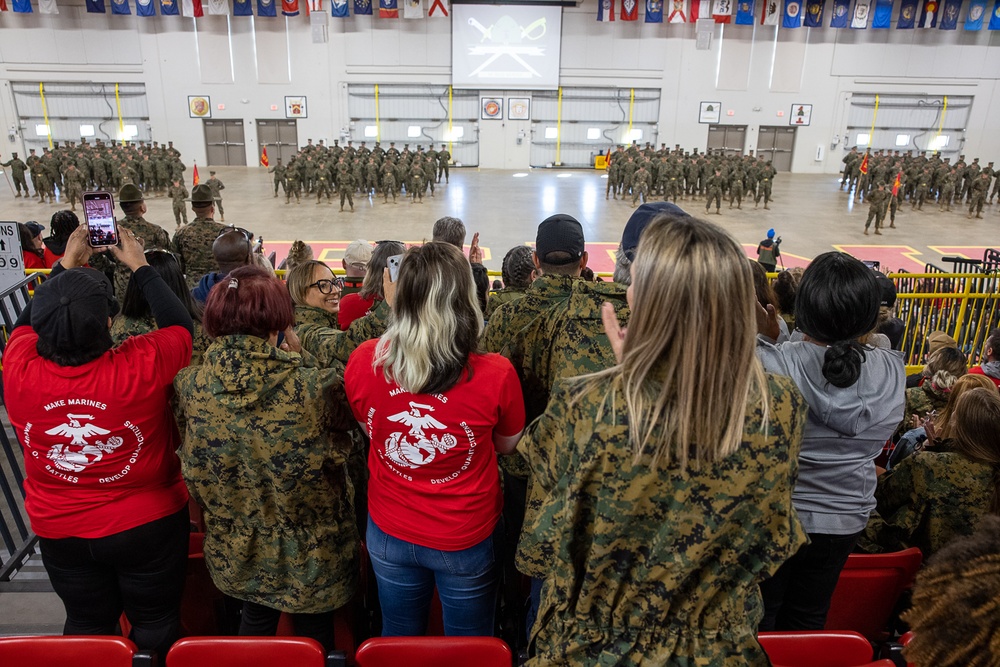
x: 248, y: 65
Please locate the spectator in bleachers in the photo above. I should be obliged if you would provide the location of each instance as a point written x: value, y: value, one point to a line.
x: 437, y: 412
x: 954, y: 618
x: 452, y: 230
x: 944, y: 367
x: 232, y: 249
x: 666, y: 478
x: 517, y: 270
x: 299, y: 253
x: 103, y: 484
x: 933, y: 496
x: 449, y: 230
x: 315, y: 293
x: 990, y: 367
x: 935, y: 341
x: 265, y: 443
x: 888, y: 324
x: 764, y: 293
x: 353, y: 306
x: 355, y: 262
x: 855, y: 395
x: 61, y: 226
x: 136, y: 316
x: 640, y: 217
x: 785, y: 287
x: 32, y: 247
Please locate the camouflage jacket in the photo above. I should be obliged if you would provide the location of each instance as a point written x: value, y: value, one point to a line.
x: 924, y: 399
x: 927, y: 500
x: 193, y: 245
x: 123, y: 328
x: 327, y: 342
x: 265, y: 446
x: 501, y: 297
x: 656, y: 565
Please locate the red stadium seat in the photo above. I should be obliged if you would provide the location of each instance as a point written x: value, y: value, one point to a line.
x: 433, y: 652
x: 868, y: 589
x: 905, y: 641
x: 246, y: 652
x: 816, y: 648
x: 78, y: 651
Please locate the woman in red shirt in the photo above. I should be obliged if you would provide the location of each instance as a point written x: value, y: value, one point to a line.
x: 437, y: 412
x: 62, y: 224
x: 31, y: 245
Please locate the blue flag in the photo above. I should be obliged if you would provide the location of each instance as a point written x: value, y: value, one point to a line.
x: 144, y: 8
x: 882, y: 18
x: 907, y: 15
x: 339, y: 9
x: 745, y: 12
x: 929, y: 14
x: 977, y: 10
x: 168, y: 8
x: 995, y: 17
x: 841, y: 14
x: 22, y: 6
x: 949, y: 15
x: 793, y: 14
x: 120, y: 7
x: 266, y: 8
x: 242, y: 8
x: 814, y: 13
x: 362, y: 7
x: 97, y: 7
x: 654, y: 11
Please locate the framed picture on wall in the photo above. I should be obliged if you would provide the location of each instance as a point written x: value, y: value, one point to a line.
x: 518, y: 108
x: 199, y: 106
x: 801, y: 114
x: 492, y: 108
x: 295, y: 107
x: 710, y: 112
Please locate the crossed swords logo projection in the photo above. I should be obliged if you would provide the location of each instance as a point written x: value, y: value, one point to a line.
x: 506, y: 37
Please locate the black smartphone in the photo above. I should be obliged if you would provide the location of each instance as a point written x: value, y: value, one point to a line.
x: 393, y: 263
x: 99, y: 212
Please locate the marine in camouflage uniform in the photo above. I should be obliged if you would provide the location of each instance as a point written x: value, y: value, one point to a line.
x: 192, y: 244
x: 264, y: 454
x: 123, y: 328
x: 178, y: 195
x: 924, y: 399
x: 17, y: 169
x: 153, y: 236
x: 279, y: 177
x: 657, y: 565
x: 927, y: 500
x: 329, y: 345
x: 501, y: 297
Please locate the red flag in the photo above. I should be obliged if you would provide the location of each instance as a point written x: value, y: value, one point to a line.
x: 897, y: 183
x: 263, y: 158
x: 199, y: 10
x: 864, y: 164
x: 699, y: 10
x: 3, y: 5
x: 194, y: 177
x: 630, y: 10
x: 290, y: 7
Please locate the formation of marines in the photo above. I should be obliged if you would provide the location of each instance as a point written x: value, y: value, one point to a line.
x: 885, y: 179
x: 676, y: 174
x: 73, y: 168
x: 319, y: 170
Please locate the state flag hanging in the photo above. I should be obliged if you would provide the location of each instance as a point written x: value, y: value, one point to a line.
x: 744, y: 12
x: 263, y: 157
x: 792, y: 17
x: 722, y: 11
x: 145, y: 8
x: 977, y: 10
x: 93, y: 6
x: 859, y: 20
x: 242, y: 8
x: 288, y: 7
x: 120, y: 7
x: 217, y: 7
x: 654, y: 11
x: 678, y: 11
x: 22, y: 6
x: 630, y: 10
x: 3, y: 5
x: 388, y: 9
x: 700, y: 9
x: 841, y: 14
x: 995, y: 16
x: 605, y: 10
x: 339, y: 9
x: 907, y: 15
x: 949, y: 14
x: 194, y: 176
x: 169, y: 8
x: 47, y: 7
x: 882, y: 16
x: 929, y: 14
x: 769, y: 12
x: 814, y: 13
x: 267, y: 8
x: 439, y: 9
x: 413, y: 9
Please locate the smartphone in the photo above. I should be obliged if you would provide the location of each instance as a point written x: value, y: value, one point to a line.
x: 393, y: 263
x: 873, y: 265
x: 99, y: 212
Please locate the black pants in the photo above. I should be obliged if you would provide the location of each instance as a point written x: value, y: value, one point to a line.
x: 261, y: 621
x: 798, y: 596
x: 139, y: 571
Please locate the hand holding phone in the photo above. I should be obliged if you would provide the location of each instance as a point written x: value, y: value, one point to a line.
x: 78, y: 249
x: 393, y: 264
x: 131, y: 253
x: 99, y: 213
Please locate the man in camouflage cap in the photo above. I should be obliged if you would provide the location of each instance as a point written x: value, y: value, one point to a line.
x: 193, y: 243
x: 154, y: 237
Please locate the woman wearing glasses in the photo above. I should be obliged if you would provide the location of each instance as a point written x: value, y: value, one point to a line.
x: 265, y: 445
x: 315, y: 291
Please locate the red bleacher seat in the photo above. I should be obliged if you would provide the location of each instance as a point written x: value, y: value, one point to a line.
x: 816, y: 648
x: 78, y: 651
x: 868, y: 589
x: 246, y: 652
x: 433, y: 652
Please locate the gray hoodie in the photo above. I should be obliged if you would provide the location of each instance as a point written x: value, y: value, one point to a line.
x: 844, y: 433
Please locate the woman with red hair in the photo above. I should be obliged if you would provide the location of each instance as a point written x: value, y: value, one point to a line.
x: 264, y: 450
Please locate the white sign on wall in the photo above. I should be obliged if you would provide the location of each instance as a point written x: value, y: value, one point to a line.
x: 11, y: 260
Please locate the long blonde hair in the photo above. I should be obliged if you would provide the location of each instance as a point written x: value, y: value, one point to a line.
x: 689, y: 366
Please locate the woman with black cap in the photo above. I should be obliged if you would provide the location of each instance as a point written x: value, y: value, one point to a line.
x: 32, y: 249
x: 103, y: 485
x: 855, y: 393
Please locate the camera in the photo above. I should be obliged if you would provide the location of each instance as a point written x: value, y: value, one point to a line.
x: 777, y: 241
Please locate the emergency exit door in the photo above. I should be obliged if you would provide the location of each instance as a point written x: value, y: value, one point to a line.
x: 225, y: 144
x: 730, y: 139
x: 280, y: 137
x: 777, y: 143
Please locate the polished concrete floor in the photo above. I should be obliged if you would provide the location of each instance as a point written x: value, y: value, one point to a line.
x: 809, y: 212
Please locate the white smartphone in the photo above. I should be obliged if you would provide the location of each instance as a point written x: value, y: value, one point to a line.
x: 393, y: 264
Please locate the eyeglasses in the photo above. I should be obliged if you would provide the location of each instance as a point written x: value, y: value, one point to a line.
x: 232, y: 228
x: 326, y: 286
x: 386, y: 241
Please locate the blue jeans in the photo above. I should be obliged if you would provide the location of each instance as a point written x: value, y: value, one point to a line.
x: 407, y: 573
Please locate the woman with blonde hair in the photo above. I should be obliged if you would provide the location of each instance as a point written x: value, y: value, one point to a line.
x: 667, y: 477
x: 437, y: 412
x: 315, y: 292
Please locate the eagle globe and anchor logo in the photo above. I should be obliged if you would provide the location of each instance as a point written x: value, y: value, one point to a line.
x: 76, y: 455
x: 415, y: 449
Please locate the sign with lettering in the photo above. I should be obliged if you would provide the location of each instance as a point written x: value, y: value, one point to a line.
x: 11, y: 260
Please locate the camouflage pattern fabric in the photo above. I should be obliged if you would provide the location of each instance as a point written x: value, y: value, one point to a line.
x: 657, y: 566
x: 501, y: 297
x: 264, y: 453
x: 927, y: 500
x: 329, y: 344
x: 153, y: 236
x: 193, y: 245
x: 924, y: 399
x: 123, y: 328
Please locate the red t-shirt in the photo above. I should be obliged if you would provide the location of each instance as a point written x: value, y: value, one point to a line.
x: 99, y: 439
x: 51, y: 258
x: 352, y: 307
x: 978, y: 370
x: 432, y: 465
x: 33, y: 261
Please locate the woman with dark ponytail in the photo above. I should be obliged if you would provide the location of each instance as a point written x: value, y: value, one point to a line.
x: 854, y: 386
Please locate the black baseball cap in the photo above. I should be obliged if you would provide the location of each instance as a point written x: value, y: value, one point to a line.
x: 641, y: 217
x: 71, y: 310
x: 560, y: 233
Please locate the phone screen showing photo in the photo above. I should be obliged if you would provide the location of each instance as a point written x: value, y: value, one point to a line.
x: 99, y: 212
